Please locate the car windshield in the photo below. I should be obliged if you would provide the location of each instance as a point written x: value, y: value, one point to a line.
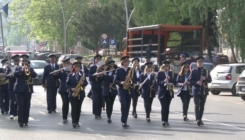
x: 38, y: 65
x: 206, y: 66
x: 222, y: 69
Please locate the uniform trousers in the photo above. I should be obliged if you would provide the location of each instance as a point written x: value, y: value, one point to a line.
x: 13, y: 103
x: 185, y: 98
x: 76, y: 105
x: 199, y: 101
x: 65, y: 104
x: 109, y: 101
x: 4, y: 98
x: 24, y: 104
x: 125, y: 100
x: 165, y: 103
x: 51, y: 98
x: 148, y: 103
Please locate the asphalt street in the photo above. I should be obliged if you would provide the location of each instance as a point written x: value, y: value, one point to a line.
x: 224, y: 120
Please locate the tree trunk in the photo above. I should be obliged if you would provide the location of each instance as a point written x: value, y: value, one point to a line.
x: 233, y: 54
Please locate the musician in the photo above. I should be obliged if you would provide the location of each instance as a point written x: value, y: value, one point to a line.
x: 184, y: 91
x: 123, y: 78
x: 165, y: 81
x: 23, y: 89
x: 135, y: 94
x: 96, y: 87
x: 73, y: 79
x: 199, y: 78
x: 148, y: 90
x: 148, y: 59
x: 62, y: 75
x: 4, y: 94
x: 182, y: 59
x: 50, y: 83
x: 109, y: 92
x: 83, y: 68
x: 10, y: 73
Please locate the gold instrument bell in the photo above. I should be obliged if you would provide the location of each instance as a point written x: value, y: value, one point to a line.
x: 27, y: 69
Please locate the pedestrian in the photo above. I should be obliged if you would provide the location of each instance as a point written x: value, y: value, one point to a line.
x: 76, y: 83
x: 199, y: 78
x: 4, y: 93
x: 23, y: 89
x: 184, y: 90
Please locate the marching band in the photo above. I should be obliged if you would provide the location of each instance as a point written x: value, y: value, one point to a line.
x: 107, y: 81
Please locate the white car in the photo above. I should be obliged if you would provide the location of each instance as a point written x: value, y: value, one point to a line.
x: 38, y: 66
x: 224, y: 78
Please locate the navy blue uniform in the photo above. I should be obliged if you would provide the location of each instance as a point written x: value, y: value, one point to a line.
x: 64, y: 93
x: 199, y: 92
x: 13, y: 101
x: 76, y: 103
x: 96, y: 91
x: 23, y: 88
x: 84, y: 69
x: 184, y: 92
x: 109, y: 92
x: 124, y: 95
x: 165, y: 93
x: 4, y: 94
x: 148, y: 91
x: 135, y: 94
x: 52, y: 84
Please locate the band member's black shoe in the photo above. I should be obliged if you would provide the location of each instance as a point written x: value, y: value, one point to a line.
x: 198, y: 122
x: 167, y: 124
x: 74, y: 125
x: 54, y: 111
x: 148, y: 119
x: 26, y: 124
x: 49, y: 112
x: 164, y: 124
x: 202, y: 122
x: 2, y: 112
x: 65, y: 121
x: 100, y: 117
x: 78, y: 125
x: 135, y: 115
x: 185, y: 118
x: 109, y: 121
x: 97, y: 117
x: 21, y: 124
x: 125, y: 125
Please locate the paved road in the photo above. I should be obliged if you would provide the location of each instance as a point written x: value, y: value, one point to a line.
x: 224, y: 120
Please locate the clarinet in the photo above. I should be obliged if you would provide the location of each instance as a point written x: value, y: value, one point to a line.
x: 201, y: 79
x: 166, y: 84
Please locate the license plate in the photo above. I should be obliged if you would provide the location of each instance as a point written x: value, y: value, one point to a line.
x: 243, y: 89
x: 215, y: 84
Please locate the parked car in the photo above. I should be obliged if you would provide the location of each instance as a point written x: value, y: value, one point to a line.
x: 207, y: 65
x: 41, y: 56
x: 72, y: 57
x: 217, y: 58
x: 38, y: 66
x: 112, y: 52
x: 224, y: 78
x: 240, y: 85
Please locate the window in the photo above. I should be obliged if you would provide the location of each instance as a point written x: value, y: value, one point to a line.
x: 239, y: 69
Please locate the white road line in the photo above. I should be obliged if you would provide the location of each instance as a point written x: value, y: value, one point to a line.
x: 43, y: 113
x: 69, y: 119
x: 102, y: 136
x: 31, y: 119
x: 224, y: 124
x: 89, y: 129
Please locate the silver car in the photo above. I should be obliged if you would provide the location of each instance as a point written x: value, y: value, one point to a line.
x: 38, y: 66
x: 240, y: 85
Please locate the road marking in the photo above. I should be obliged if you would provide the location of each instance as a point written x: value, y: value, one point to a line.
x: 31, y: 119
x: 39, y: 102
x: 70, y: 119
x: 89, y: 129
x: 102, y: 136
x: 44, y: 105
x: 43, y: 113
x: 239, y: 103
x: 224, y: 124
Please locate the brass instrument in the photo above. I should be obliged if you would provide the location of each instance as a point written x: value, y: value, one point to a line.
x: 79, y: 87
x: 128, y: 80
x: 27, y: 70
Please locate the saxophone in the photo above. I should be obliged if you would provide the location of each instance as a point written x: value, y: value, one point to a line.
x: 79, y: 87
x: 128, y: 80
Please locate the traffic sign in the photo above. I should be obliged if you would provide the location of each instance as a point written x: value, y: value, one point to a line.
x: 104, y: 42
x: 113, y: 43
x: 104, y: 36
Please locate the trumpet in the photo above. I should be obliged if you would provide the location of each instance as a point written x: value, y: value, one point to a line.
x: 65, y: 68
x: 27, y: 71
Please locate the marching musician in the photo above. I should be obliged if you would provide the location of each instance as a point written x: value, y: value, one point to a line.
x: 23, y: 89
x: 50, y: 83
x: 4, y: 94
x: 109, y: 92
x: 83, y: 68
x: 76, y: 80
x: 125, y: 78
x: 148, y: 59
x: 10, y: 73
x: 135, y: 94
x: 165, y: 81
x: 96, y: 87
x: 184, y: 91
x: 62, y: 75
x: 199, y: 78
x: 148, y: 90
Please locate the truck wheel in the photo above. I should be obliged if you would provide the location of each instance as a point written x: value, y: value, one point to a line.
x: 233, y: 90
x: 243, y: 98
x: 215, y: 92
